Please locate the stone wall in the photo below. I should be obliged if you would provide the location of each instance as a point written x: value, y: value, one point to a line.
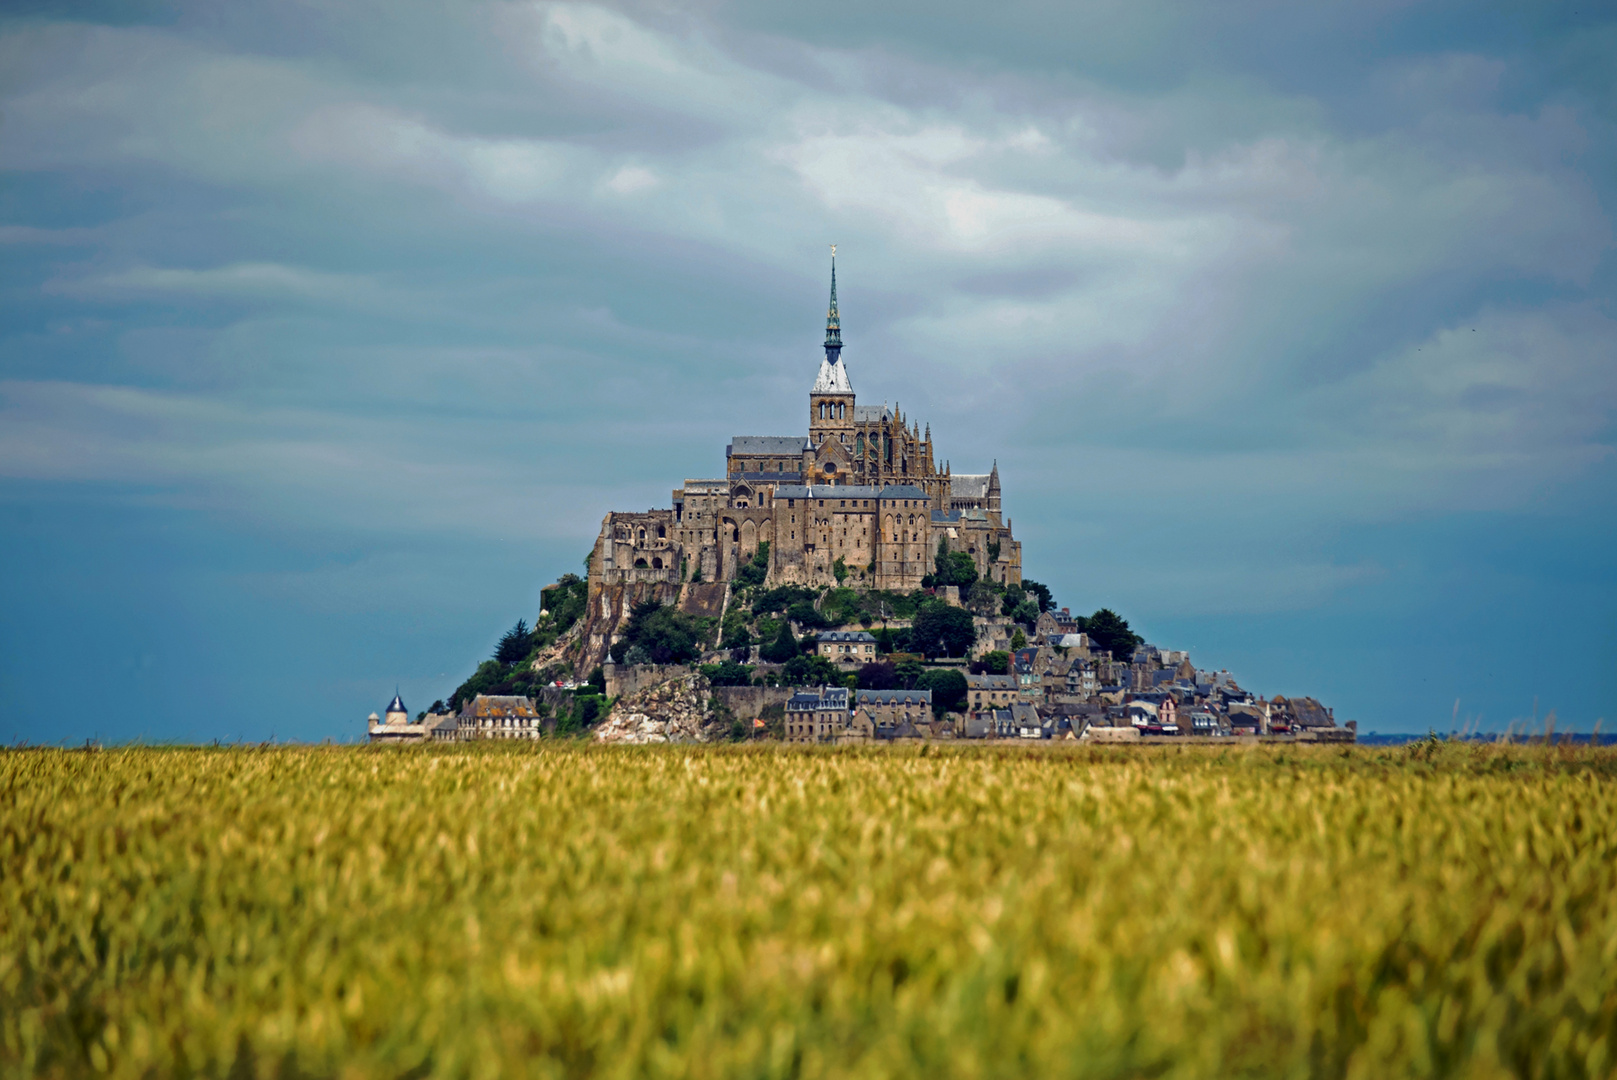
x: 632, y: 678
x: 746, y: 702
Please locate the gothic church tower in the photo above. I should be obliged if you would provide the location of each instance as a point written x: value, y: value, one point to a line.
x: 831, y: 400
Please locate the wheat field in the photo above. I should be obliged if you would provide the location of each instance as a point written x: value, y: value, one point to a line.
x: 559, y: 910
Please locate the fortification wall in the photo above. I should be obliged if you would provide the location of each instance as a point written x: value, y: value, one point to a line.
x: 747, y: 702
x: 632, y: 678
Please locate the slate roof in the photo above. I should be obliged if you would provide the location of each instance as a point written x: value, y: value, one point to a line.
x: 826, y: 697
x: 969, y: 485
x: 850, y: 491
x: 771, y: 477
x: 767, y: 444
x: 991, y: 682
x: 1024, y: 714
x: 946, y: 516
x: 860, y: 636
x: 828, y: 491
x: 397, y: 705
x: 893, y: 697
x: 870, y: 413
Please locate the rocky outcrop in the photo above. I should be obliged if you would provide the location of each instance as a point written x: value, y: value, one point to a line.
x: 670, y: 712
x: 609, y: 607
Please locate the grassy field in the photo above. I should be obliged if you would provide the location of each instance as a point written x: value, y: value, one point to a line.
x: 561, y: 911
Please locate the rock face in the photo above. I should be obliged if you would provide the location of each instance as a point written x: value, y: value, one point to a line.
x: 670, y: 712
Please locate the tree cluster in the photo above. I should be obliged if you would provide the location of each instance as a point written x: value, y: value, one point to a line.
x: 660, y: 634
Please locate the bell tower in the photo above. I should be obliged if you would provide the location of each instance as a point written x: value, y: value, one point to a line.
x: 831, y: 399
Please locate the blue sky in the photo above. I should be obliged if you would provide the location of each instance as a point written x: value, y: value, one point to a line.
x: 328, y: 332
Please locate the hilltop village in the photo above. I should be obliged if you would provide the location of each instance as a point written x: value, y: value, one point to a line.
x: 840, y: 586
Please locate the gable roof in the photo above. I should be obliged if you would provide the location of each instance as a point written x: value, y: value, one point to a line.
x: 827, y: 491
x: 771, y: 477
x: 893, y: 697
x: 969, y: 485
x: 752, y: 445
x: 497, y: 705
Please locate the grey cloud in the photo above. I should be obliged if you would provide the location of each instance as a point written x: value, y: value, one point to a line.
x: 1150, y: 256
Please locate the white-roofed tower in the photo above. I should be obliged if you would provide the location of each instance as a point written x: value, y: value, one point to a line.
x: 831, y: 400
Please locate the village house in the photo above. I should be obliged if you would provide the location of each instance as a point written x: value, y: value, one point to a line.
x: 847, y: 646
x: 498, y: 716
x: 817, y: 715
x: 991, y: 691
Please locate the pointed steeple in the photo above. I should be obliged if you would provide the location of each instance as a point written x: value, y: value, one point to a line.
x: 833, y: 323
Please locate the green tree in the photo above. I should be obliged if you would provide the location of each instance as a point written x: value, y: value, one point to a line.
x: 754, y: 572
x: 736, y: 635
x: 1018, y: 640
x: 810, y: 671
x: 907, y: 672
x: 878, y: 676
x: 840, y: 569
x: 996, y: 662
x: 803, y: 613
x: 728, y: 673
x: 953, y: 567
x: 665, y: 634
x: 983, y: 598
x: 1110, y: 631
x: 562, y: 604
x: 948, y: 689
x: 515, y: 645
x: 783, y: 648
x: 942, y: 630
x: 1026, y: 613
x: 1042, y: 592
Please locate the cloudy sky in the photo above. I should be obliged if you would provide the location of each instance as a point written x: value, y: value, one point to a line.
x: 329, y: 331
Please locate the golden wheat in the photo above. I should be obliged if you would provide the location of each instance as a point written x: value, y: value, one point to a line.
x: 565, y: 911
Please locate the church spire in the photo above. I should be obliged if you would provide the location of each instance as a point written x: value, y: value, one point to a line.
x: 833, y: 325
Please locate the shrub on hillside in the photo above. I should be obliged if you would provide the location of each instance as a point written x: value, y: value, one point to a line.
x: 783, y: 648
x: 665, y: 634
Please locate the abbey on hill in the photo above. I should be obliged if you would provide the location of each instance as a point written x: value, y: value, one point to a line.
x: 688, y: 625
x: 859, y: 500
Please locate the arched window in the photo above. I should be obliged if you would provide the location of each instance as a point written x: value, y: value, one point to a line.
x: 642, y: 536
x: 662, y: 532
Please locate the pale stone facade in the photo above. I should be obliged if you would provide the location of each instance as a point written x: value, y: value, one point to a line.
x: 863, y: 489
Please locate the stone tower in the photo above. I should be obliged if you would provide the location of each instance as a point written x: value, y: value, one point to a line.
x: 831, y: 400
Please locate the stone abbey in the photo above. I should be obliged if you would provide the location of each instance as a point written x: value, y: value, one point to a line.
x: 860, y: 500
